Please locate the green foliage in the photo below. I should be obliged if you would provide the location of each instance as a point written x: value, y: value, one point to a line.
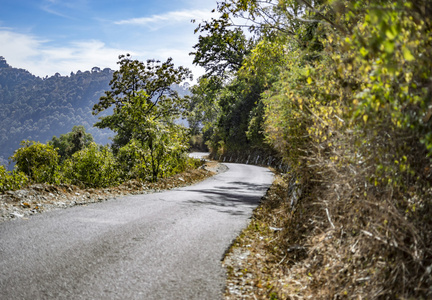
x: 155, y: 80
x: 392, y: 69
x: 153, y: 77
x: 145, y: 109
x: 231, y: 112
x: 342, y: 90
x: 38, y: 161
x: 204, y: 105
x: 93, y: 167
x: 197, y: 144
x: 131, y: 164
x: 10, y: 181
x: 71, y: 142
x: 160, y: 138
x: 222, y: 50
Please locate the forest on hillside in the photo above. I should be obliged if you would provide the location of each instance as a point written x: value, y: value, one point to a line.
x: 36, y: 109
x: 340, y: 92
x: 144, y: 106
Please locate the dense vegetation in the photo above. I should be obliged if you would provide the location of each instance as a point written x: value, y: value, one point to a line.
x: 148, y: 143
x: 335, y: 93
x: 342, y: 91
x: 34, y: 108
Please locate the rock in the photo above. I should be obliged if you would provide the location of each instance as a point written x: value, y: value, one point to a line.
x: 275, y: 228
x: 16, y: 215
x: 22, y: 193
x: 25, y: 204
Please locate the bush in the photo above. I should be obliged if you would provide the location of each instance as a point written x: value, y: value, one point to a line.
x: 178, y: 163
x: 355, y: 128
x: 38, y: 161
x: 92, y: 167
x: 10, y: 181
x: 132, y: 162
x: 71, y: 142
x: 139, y: 162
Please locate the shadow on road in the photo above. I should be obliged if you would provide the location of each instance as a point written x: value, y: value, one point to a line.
x: 239, y: 185
x: 231, y: 199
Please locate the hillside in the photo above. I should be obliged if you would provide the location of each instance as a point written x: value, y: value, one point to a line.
x: 37, y: 108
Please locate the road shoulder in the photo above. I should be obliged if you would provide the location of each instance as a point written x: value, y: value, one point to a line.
x: 40, y: 198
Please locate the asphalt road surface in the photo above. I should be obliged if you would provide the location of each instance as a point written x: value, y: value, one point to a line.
x: 165, y: 245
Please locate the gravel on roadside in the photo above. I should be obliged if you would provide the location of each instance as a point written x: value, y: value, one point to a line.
x: 39, y: 198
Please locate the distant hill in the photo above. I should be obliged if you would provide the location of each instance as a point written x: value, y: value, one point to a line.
x: 37, y: 108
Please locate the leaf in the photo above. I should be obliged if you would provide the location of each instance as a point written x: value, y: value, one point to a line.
x: 407, y: 54
x: 309, y: 80
x: 389, y: 46
x: 391, y: 33
x: 363, y: 51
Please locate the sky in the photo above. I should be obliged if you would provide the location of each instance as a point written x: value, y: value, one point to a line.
x: 63, y: 36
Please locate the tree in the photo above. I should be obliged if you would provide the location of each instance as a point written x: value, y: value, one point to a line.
x: 145, y: 110
x: 222, y: 50
x: 249, y: 66
x: 37, y: 109
x: 153, y: 78
x: 71, y: 142
x: 204, y: 104
x: 159, y: 136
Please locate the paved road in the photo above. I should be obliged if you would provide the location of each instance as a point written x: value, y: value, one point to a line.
x: 159, y: 246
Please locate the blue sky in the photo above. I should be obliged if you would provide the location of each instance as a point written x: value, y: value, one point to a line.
x: 49, y: 36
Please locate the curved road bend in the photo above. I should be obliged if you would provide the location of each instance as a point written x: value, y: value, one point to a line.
x: 165, y: 245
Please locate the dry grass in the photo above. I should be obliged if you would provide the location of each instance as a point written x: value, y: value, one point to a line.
x: 342, y: 240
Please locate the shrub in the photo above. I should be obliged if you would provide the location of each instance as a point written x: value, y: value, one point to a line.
x: 132, y: 162
x: 10, y: 181
x: 92, y: 167
x: 38, y: 161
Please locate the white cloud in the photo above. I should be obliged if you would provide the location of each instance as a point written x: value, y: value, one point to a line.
x: 56, y: 6
x: 104, y: 40
x: 41, y: 58
x: 168, y: 18
x: 181, y: 57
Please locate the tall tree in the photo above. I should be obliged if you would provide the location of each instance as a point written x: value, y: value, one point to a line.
x: 145, y: 110
x: 154, y: 79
